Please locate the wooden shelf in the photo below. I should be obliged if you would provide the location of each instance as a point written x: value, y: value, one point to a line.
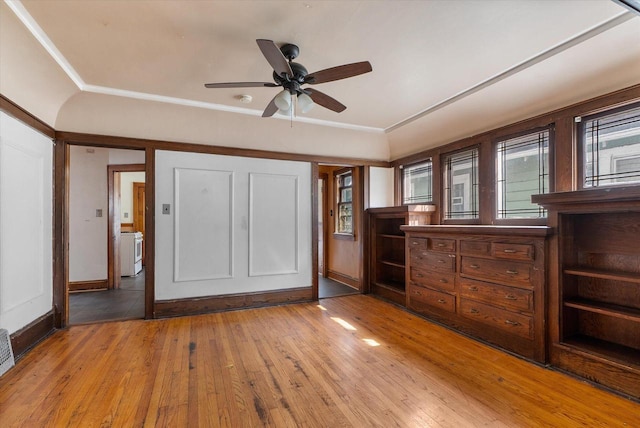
x: 392, y: 263
x: 395, y: 286
x: 617, y: 311
x: 603, y: 349
x: 604, y: 274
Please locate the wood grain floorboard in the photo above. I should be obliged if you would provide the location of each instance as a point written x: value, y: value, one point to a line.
x: 351, y: 361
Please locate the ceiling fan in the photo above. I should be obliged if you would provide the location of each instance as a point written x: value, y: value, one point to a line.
x: 291, y: 76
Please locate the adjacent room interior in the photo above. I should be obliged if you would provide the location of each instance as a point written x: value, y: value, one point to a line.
x: 195, y: 230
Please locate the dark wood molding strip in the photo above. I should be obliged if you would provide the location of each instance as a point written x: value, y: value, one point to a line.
x: 12, y: 109
x: 29, y: 336
x: 203, y: 305
x: 137, y: 143
x: 88, y: 285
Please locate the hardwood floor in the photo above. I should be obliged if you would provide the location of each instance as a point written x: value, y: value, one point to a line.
x: 350, y: 361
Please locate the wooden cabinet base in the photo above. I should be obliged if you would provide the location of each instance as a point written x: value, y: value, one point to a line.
x: 485, y: 281
x: 596, y: 367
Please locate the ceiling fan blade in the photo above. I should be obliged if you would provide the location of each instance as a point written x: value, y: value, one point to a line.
x: 325, y: 100
x: 271, y: 109
x: 339, y: 72
x: 240, y: 85
x: 274, y: 56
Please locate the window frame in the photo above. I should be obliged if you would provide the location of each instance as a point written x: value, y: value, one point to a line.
x: 338, y: 202
x: 534, y: 221
x: 445, y: 193
x: 402, y: 181
x: 580, y: 146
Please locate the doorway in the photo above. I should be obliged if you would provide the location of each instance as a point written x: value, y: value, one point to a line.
x: 331, y: 281
x: 100, y: 212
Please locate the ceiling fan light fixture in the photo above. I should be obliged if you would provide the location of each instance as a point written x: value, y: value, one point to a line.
x: 283, y: 100
x: 305, y: 103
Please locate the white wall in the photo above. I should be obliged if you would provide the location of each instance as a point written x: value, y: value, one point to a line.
x: 380, y: 187
x: 88, y: 258
x: 236, y: 225
x: 26, y: 278
x: 126, y: 194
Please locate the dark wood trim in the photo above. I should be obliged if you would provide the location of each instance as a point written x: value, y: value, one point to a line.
x: 137, y: 143
x: 61, y: 234
x: 12, y: 109
x: 99, y: 284
x: 362, y: 187
x: 600, y: 194
x: 29, y: 336
x: 314, y: 229
x: 150, y: 233
x: 208, y: 304
x: 481, y: 229
x: 345, y: 279
x: 325, y: 220
x: 127, y: 227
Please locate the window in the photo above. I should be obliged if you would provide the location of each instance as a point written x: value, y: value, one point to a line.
x: 344, y: 221
x: 523, y: 170
x: 461, y: 185
x: 416, y: 183
x: 611, y: 147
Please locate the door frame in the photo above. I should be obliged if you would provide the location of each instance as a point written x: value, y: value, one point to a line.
x: 324, y: 177
x: 113, y: 223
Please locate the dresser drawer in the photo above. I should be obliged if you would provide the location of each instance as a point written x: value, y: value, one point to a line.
x: 447, y: 245
x: 433, y: 261
x: 418, y: 243
x: 508, y: 297
x: 511, y: 322
x: 501, y: 250
x: 441, y: 281
x: 499, y: 271
x: 475, y: 248
x: 442, y: 301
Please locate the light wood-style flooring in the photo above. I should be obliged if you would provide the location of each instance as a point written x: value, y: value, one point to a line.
x: 352, y: 361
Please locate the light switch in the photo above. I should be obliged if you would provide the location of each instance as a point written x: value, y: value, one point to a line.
x: 98, y: 213
x: 166, y: 208
x: 126, y: 215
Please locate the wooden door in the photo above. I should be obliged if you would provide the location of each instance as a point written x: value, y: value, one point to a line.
x: 138, y: 211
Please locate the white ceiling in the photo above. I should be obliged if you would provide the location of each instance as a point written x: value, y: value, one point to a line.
x: 427, y: 56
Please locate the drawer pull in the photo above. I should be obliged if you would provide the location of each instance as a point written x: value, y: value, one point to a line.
x: 473, y: 288
x: 440, y: 244
x: 512, y: 272
x: 442, y: 301
x: 510, y: 297
x: 509, y: 251
x: 509, y: 322
x: 441, y: 261
x: 444, y: 281
x: 474, y: 311
x: 415, y: 243
x: 419, y: 275
x: 474, y: 266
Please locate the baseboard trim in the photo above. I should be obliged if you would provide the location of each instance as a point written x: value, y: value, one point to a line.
x: 203, y: 305
x: 345, y: 279
x: 33, y: 333
x: 88, y: 285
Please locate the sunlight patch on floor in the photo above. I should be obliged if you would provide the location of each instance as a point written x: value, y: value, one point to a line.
x: 344, y: 324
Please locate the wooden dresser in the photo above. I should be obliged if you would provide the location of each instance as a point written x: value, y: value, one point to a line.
x: 486, y: 281
x: 594, y: 285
